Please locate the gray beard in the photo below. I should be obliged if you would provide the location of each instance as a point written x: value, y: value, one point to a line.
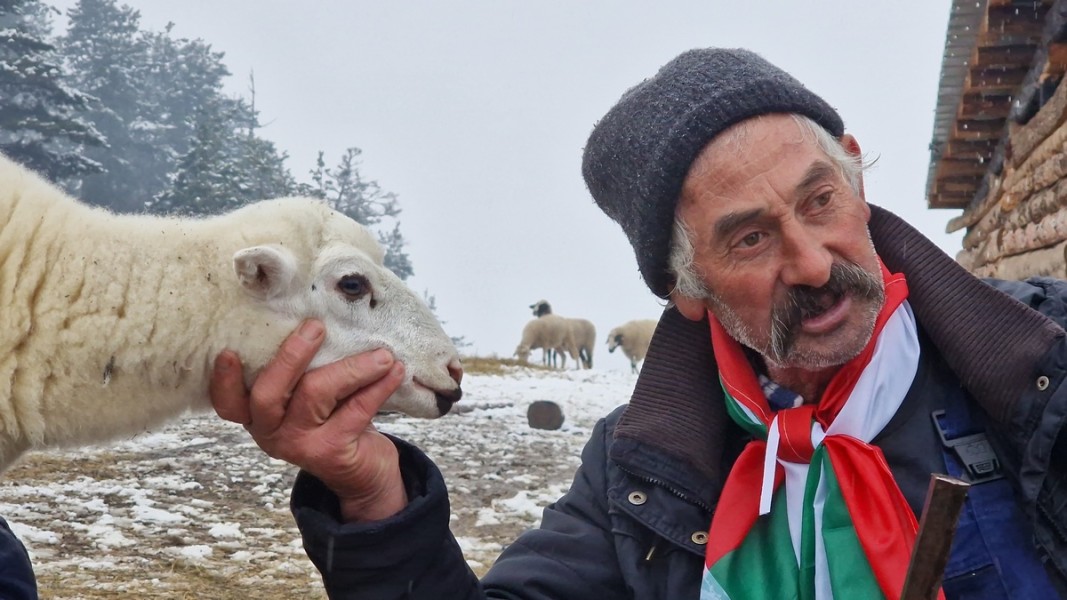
x: 804, y: 301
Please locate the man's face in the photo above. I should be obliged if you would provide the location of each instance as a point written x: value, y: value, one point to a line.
x: 781, y: 240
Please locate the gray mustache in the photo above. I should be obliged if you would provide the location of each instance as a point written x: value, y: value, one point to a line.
x: 804, y: 301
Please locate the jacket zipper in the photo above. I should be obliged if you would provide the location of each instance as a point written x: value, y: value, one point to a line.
x: 674, y: 491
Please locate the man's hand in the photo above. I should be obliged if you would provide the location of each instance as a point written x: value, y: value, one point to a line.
x: 320, y: 420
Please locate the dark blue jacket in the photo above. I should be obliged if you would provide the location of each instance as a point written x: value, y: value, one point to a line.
x: 16, y: 574
x: 633, y: 523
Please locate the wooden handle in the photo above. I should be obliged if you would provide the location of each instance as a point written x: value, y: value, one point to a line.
x: 944, y: 499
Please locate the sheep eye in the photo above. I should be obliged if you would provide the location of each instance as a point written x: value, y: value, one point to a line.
x: 354, y: 286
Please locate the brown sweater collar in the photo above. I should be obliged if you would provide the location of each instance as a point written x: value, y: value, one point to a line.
x: 677, y: 404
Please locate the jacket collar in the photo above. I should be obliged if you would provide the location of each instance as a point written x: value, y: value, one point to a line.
x: 677, y: 407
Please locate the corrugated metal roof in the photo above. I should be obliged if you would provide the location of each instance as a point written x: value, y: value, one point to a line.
x: 964, y: 23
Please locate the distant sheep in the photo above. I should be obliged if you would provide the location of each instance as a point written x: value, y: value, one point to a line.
x: 548, y: 333
x: 110, y: 323
x: 548, y: 355
x: 541, y: 308
x: 633, y: 337
x: 582, y: 334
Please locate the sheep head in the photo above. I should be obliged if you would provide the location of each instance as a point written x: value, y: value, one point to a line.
x: 364, y: 306
x: 541, y: 308
x: 522, y: 352
x: 614, y: 339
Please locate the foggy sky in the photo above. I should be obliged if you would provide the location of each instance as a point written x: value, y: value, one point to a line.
x: 475, y: 114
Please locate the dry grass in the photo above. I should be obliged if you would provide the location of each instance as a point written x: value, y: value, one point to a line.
x: 177, y: 581
x: 479, y: 365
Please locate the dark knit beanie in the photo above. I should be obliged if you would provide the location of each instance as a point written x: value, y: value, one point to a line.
x: 640, y: 152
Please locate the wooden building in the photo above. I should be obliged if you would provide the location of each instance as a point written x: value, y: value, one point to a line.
x: 999, y: 148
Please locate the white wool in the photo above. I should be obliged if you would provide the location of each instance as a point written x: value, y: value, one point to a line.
x: 634, y: 337
x: 110, y: 323
x: 581, y: 335
x: 548, y: 332
x: 583, y: 340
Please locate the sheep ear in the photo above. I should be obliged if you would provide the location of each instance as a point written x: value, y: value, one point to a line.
x: 265, y: 271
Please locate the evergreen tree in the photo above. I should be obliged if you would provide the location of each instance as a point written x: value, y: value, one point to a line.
x: 431, y: 302
x: 154, y: 90
x: 226, y: 166
x: 262, y: 164
x: 41, y: 120
x: 396, y: 260
x: 106, y: 54
x: 347, y: 192
x: 263, y: 169
x: 183, y: 79
x: 207, y: 180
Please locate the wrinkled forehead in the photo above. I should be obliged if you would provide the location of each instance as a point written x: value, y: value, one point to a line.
x: 770, y: 150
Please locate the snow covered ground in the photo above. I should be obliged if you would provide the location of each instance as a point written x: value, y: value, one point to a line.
x: 197, y: 510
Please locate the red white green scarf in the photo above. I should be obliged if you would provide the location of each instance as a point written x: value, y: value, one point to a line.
x: 810, y: 509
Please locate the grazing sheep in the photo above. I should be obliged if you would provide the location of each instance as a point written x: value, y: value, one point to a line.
x: 582, y: 334
x: 548, y: 355
x: 541, y: 308
x: 634, y: 337
x: 110, y: 323
x: 548, y: 333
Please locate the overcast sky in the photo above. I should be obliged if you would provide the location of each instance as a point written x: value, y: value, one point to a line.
x: 475, y: 114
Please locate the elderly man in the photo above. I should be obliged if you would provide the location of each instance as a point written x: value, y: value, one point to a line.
x: 820, y: 360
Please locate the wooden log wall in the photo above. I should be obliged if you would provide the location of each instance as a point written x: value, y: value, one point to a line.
x: 1024, y: 233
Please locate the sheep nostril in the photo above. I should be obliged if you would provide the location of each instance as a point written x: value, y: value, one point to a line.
x: 455, y: 370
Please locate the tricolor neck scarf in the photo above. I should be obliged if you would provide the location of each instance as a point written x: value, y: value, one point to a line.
x: 810, y: 510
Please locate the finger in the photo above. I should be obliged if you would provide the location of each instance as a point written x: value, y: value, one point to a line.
x: 355, y: 413
x: 322, y: 389
x: 229, y: 396
x: 275, y: 384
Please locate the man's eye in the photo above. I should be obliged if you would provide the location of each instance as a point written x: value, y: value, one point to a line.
x: 751, y: 239
x: 823, y: 199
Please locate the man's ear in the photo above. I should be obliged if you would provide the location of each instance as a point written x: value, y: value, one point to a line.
x: 691, y: 308
x: 849, y: 143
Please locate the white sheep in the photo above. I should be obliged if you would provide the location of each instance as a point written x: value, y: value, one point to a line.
x: 582, y: 335
x: 633, y: 337
x: 583, y: 338
x: 548, y: 333
x: 110, y: 323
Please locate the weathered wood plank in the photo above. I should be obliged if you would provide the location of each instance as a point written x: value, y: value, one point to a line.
x: 991, y: 79
x: 1028, y: 137
x: 958, y: 185
x: 1056, y: 63
x: 1050, y: 230
x: 937, y: 200
x: 1044, y: 262
x: 1039, y: 206
x: 1019, y: 182
x: 956, y: 168
x: 1004, y: 54
x: 971, y: 149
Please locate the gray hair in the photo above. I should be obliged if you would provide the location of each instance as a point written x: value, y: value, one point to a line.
x: 687, y: 281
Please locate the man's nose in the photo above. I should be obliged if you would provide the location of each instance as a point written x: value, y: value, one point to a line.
x: 806, y: 260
